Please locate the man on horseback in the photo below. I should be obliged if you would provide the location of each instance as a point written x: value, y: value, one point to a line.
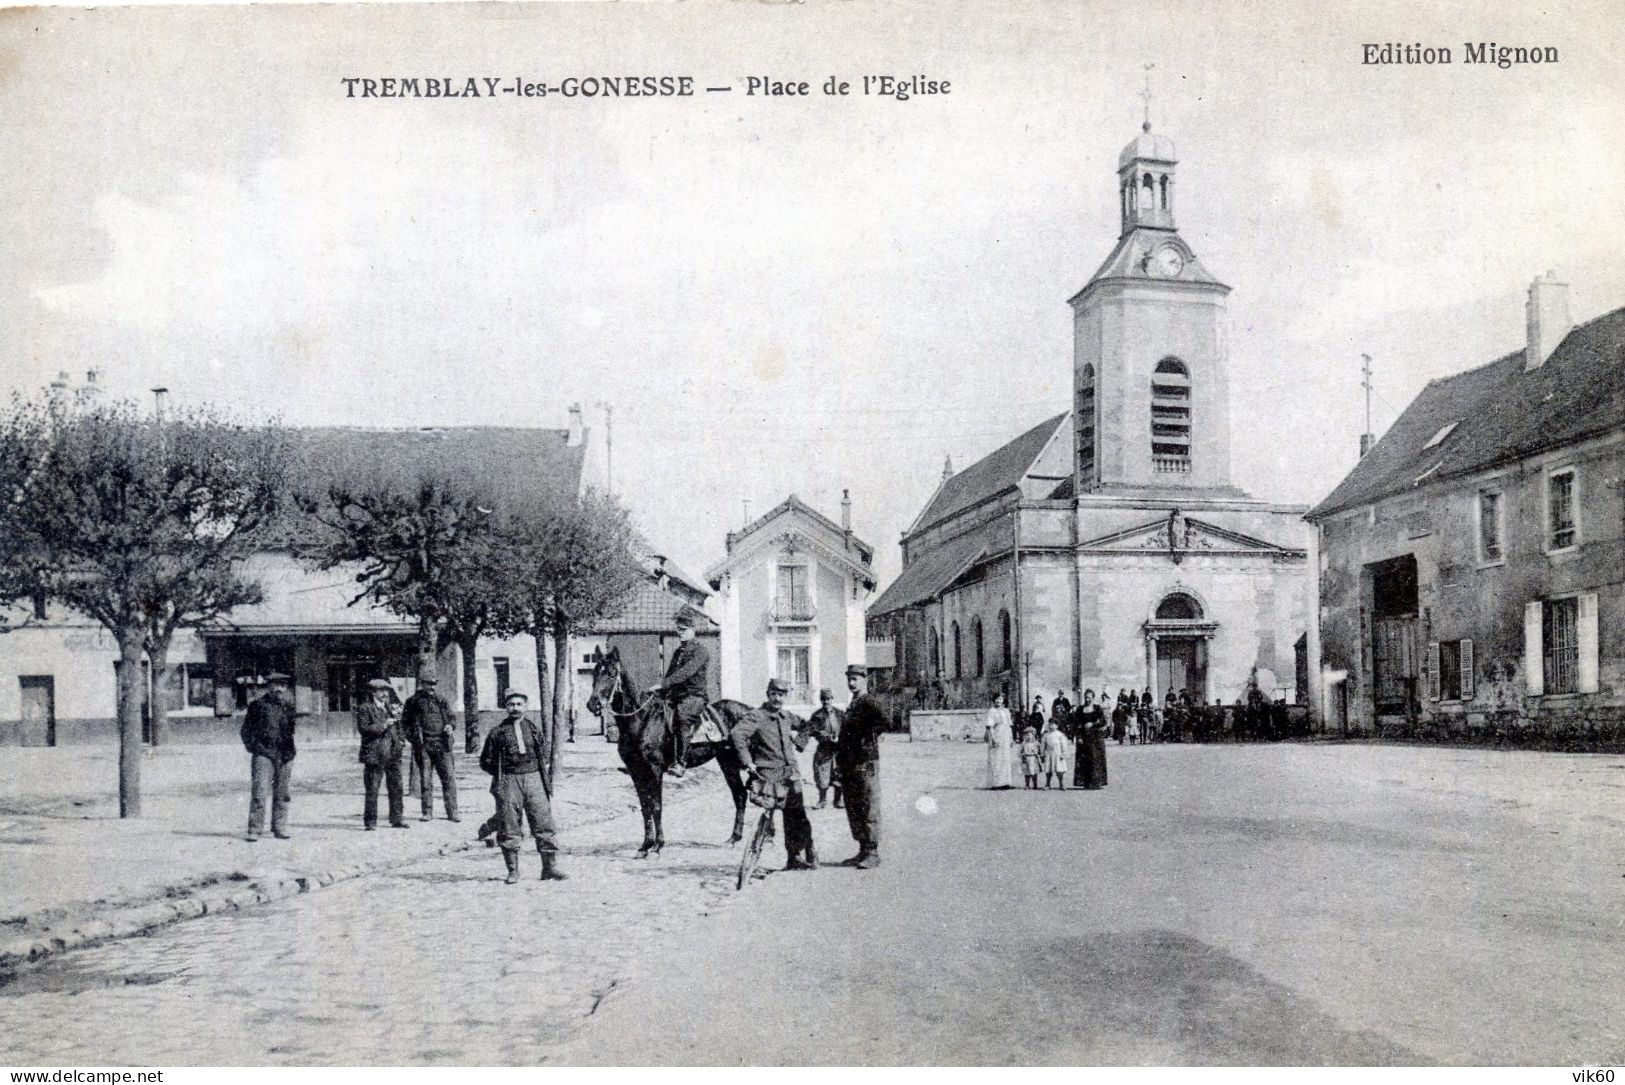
x: 685, y: 688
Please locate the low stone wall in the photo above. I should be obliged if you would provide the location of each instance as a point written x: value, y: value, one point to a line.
x: 1579, y: 728
x: 952, y: 724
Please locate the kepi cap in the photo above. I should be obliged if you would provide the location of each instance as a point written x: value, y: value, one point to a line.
x: 278, y: 676
x: 686, y: 620
x: 378, y: 683
x: 857, y: 670
x: 428, y: 679
x: 515, y: 695
x: 777, y: 685
x: 825, y: 695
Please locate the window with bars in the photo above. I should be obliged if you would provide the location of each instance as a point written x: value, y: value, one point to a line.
x: 1171, y: 417
x: 1561, y: 641
x: 1562, y: 529
x: 1489, y: 526
x: 1086, y: 426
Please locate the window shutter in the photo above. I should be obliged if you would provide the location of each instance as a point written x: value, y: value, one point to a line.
x: 1468, y: 685
x: 1433, y: 670
x: 1587, y: 641
x: 1534, y: 663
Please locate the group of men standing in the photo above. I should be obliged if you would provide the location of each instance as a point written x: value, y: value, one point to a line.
x: 847, y: 760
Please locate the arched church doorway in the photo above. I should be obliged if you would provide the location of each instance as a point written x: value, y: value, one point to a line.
x: 1181, y: 648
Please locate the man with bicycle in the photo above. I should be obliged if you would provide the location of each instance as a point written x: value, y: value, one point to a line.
x: 765, y: 742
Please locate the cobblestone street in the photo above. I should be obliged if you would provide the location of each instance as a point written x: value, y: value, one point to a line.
x: 1315, y: 904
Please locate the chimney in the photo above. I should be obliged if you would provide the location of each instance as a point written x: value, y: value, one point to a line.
x: 1366, y: 441
x: 661, y: 576
x: 846, y: 510
x: 1547, y: 315
x: 160, y: 400
x: 947, y: 468
x: 92, y: 389
x: 573, y: 440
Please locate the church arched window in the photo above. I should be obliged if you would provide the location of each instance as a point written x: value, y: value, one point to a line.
x: 976, y: 645
x: 1004, y: 639
x: 1085, y: 424
x: 959, y: 660
x: 1171, y: 418
x: 936, y: 654
x: 1150, y: 186
x: 1179, y: 607
x: 1164, y: 181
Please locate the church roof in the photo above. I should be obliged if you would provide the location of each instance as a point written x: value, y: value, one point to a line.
x: 1146, y: 145
x: 1498, y: 414
x: 1128, y: 260
x: 932, y: 572
x: 994, y: 473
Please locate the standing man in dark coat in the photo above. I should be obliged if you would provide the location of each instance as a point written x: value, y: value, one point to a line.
x: 429, y: 728
x: 857, y: 758
x: 380, y: 756
x: 686, y: 688
x: 765, y: 740
x: 268, y: 736
x: 824, y: 727
x: 513, y: 757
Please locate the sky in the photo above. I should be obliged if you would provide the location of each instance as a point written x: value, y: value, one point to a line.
x: 780, y: 295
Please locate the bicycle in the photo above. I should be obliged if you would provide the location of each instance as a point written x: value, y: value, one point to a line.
x: 769, y: 798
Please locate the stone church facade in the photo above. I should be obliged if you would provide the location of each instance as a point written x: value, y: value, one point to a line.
x: 1107, y: 546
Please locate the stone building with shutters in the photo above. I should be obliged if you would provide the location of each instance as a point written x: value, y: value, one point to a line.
x: 1107, y: 546
x: 1472, y: 579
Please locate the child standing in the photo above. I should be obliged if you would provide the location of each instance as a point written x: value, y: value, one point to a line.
x: 1032, y: 759
x: 1054, y: 755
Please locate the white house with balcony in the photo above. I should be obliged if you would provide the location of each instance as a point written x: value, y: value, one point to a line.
x: 791, y: 594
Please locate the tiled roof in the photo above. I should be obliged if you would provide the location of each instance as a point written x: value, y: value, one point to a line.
x: 992, y: 474
x: 651, y: 610
x: 507, y: 463
x: 1500, y: 413
x: 927, y: 576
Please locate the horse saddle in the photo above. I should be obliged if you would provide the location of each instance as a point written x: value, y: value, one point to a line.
x: 769, y: 794
x: 710, y: 728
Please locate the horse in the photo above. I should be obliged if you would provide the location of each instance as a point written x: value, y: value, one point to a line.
x: 646, y: 748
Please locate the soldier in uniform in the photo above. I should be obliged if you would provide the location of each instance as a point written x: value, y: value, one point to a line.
x: 765, y: 742
x: 513, y: 757
x: 857, y: 758
x: 686, y: 688
x: 427, y: 721
x: 825, y: 728
x: 268, y: 736
x: 380, y: 755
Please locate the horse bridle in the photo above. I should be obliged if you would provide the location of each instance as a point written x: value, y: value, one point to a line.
x: 622, y: 685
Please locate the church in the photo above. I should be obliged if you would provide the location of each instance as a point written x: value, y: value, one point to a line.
x: 1107, y: 547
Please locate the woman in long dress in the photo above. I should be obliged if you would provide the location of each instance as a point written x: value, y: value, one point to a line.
x: 1000, y: 735
x: 1091, y: 744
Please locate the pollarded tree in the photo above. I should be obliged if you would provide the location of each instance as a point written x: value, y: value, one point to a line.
x: 578, y: 559
x: 481, y: 594
x: 408, y: 537
x: 139, y: 526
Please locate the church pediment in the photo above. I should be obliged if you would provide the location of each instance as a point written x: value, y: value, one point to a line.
x: 1177, y: 535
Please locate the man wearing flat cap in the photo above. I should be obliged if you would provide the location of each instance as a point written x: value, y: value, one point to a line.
x: 380, y: 755
x: 764, y: 738
x: 512, y: 755
x: 267, y: 734
x: 427, y: 721
x: 857, y: 758
x: 686, y: 688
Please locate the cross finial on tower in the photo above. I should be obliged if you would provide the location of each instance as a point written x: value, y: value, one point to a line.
x: 1145, y: 95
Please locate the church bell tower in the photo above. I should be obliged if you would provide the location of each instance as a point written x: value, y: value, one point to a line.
x: 1150, y: 367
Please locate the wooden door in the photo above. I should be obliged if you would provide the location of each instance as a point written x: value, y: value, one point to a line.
x: 39, y: 709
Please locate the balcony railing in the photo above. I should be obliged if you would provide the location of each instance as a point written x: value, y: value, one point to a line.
x: 1171, y: 465
x: 794, y: 610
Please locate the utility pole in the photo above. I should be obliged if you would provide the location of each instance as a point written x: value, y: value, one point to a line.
x: 1367, y: 439
x: 160, y: 397
x: 609, y: 444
